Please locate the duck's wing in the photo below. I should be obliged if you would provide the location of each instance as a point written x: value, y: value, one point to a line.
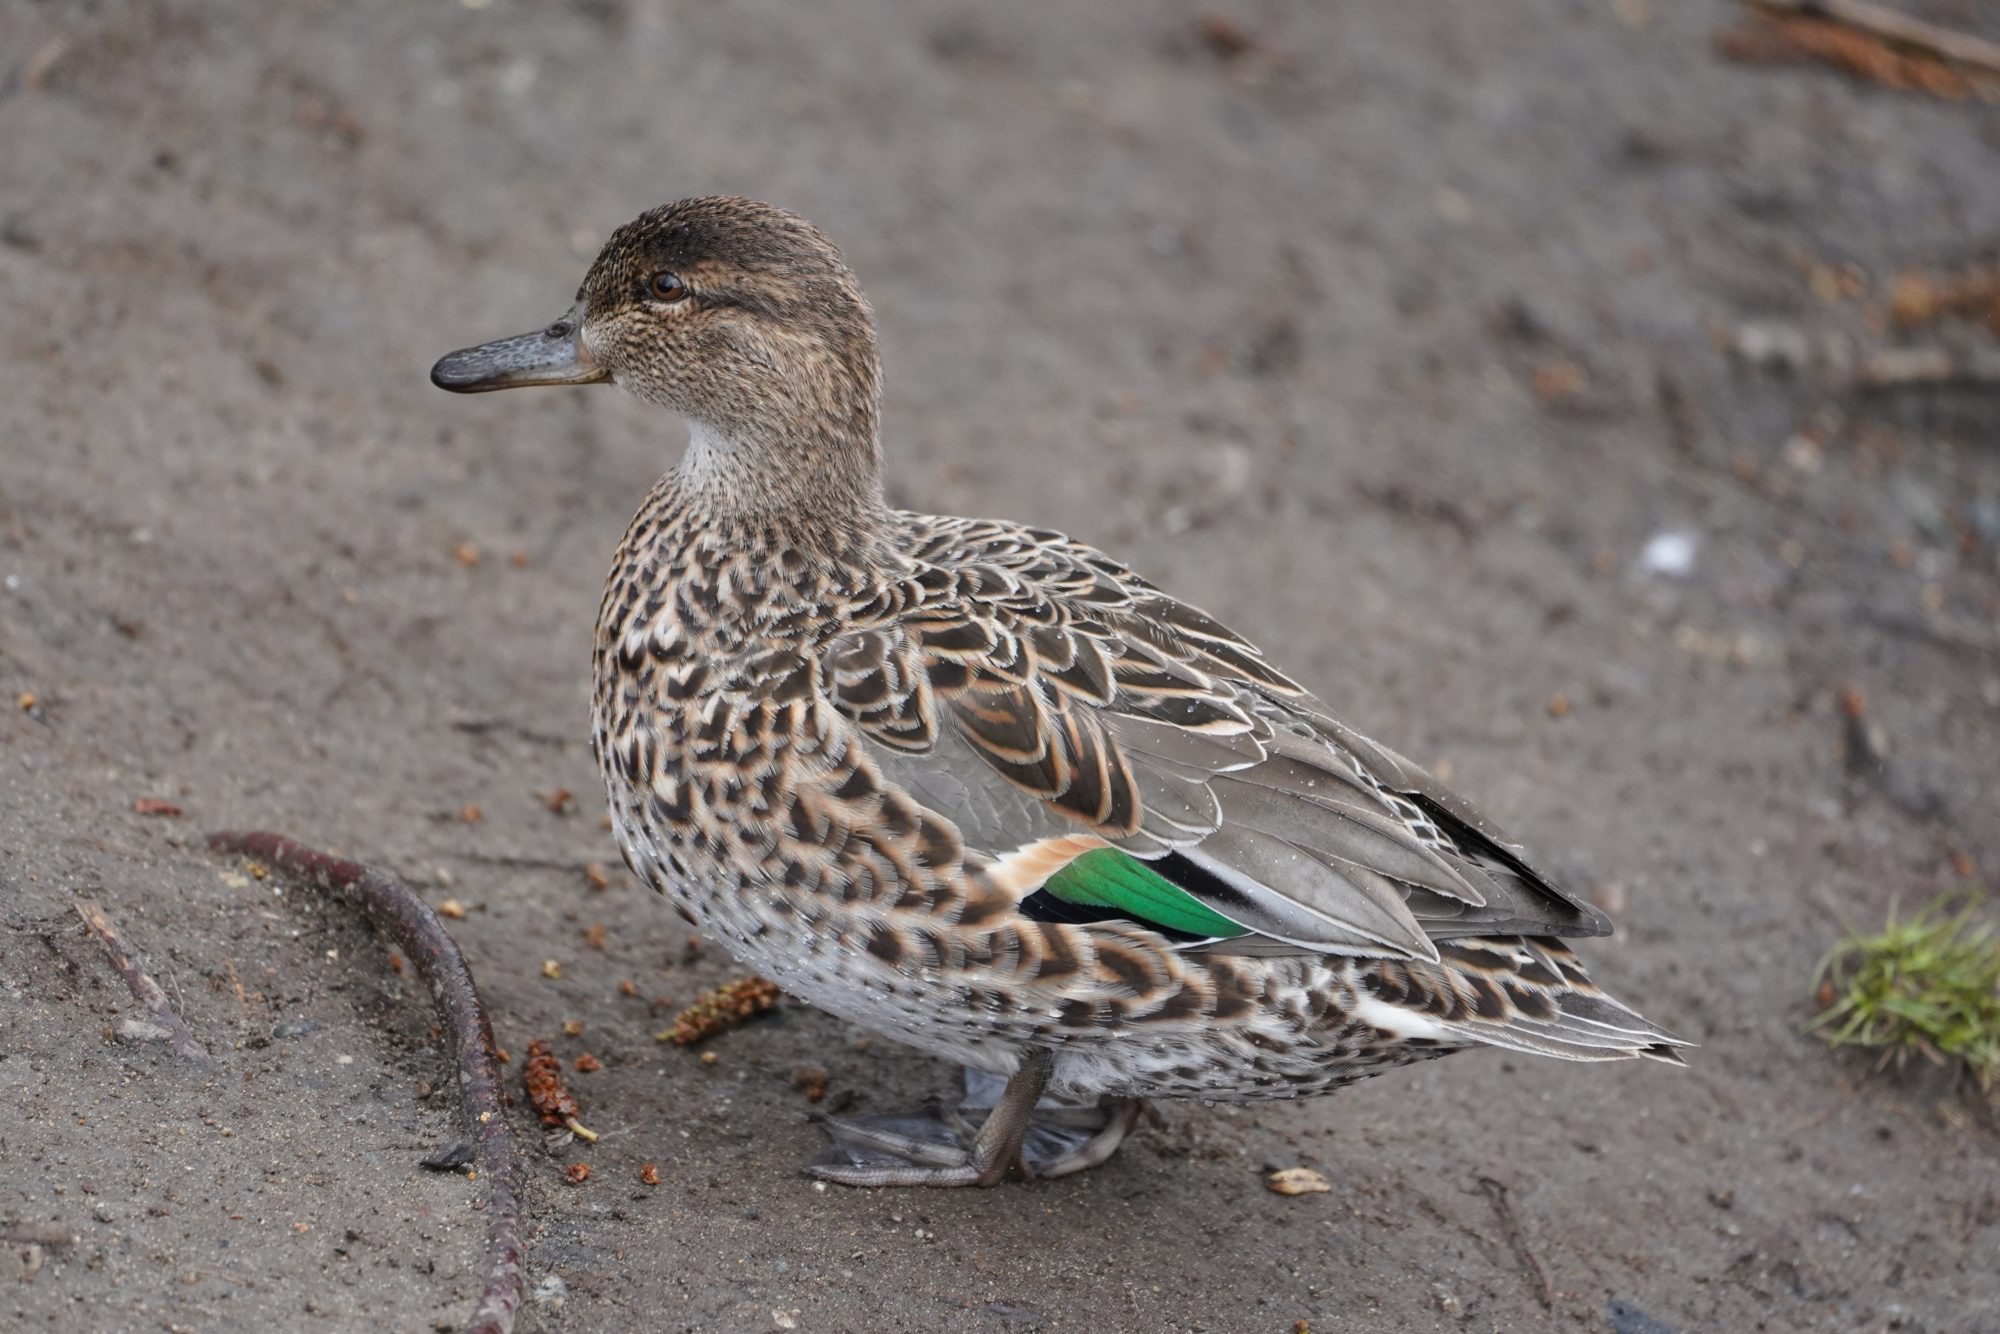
x: 1108, y: 751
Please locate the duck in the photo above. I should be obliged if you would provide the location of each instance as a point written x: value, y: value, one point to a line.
x: 981, y: 789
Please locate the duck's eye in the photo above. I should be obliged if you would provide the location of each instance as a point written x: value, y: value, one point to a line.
x: 666, y: 287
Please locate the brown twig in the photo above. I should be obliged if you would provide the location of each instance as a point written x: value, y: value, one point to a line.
x: 1867, y: 757
x: 1893, y: 368
x: 395, y: 910
x: 1895, y: 26
x: 1789, y: 350
x: 142, y: 984
x: 16, y: 1233
x: 1496, y: 1192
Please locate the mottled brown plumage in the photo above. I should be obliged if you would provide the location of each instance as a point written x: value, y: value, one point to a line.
x: 981, y: 788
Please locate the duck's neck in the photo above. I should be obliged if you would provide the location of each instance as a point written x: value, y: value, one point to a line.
x: 815, y: 489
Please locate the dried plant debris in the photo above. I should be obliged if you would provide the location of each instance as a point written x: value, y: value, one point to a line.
x: 1927, y: 984
x: 723, y: 1008
x: 1868, y: 42
x: 1917, y: 298
x: 169, y: 1027
x: 542, y: 1076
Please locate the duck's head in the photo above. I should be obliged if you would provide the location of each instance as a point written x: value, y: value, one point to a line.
x: 739, y: 316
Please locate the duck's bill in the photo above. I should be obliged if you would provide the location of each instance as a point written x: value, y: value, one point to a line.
x: 555, y: 355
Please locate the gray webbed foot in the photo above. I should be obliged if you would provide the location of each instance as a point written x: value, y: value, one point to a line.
x: 997, y: 1127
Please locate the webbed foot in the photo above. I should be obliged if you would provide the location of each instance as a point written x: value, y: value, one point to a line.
x: 992, y: 1130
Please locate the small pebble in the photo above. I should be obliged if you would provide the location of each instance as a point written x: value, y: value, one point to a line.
x: 550, y: 1294
x: 1670, y: 555
x: 142, y: 1030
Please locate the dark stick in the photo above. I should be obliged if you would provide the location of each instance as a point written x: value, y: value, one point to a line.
x: 1956, y: 638
x: 1497, y: 1193
x: 394, y: 910
x: 488, y: 726
x: 521, y: 861
x: 143, y: 986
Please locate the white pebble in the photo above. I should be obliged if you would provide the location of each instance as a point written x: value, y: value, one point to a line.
x: 1669, y: 555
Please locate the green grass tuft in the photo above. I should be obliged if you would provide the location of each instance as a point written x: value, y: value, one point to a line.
x: 1929, y: 983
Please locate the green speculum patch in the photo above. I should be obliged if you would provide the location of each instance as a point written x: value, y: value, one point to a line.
x: 1108, y: 878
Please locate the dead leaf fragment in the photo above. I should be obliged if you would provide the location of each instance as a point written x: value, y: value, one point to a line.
x: 1557, y: 380
x: 542, y: 1077
x: 1223, y: 36
x: 1296, y: 1181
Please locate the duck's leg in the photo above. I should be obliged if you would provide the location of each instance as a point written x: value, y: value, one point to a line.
x: 942, y: 1148
x: 1063, y: 1136
x: 1082, y: 1138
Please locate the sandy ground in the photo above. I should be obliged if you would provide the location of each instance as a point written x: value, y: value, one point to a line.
x: 1395, y: 338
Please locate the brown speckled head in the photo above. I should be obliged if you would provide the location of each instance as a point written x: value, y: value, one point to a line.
x: 735, y: 314
x: 740, y: 317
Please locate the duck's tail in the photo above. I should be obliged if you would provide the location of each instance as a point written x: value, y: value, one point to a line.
x: 1527, y: 994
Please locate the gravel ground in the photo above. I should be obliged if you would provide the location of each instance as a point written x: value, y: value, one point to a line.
x: 1396, y: 335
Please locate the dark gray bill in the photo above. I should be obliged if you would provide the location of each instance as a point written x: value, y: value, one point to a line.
x: 555, y: 355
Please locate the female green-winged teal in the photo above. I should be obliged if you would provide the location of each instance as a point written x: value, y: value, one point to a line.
x: 980, y: 788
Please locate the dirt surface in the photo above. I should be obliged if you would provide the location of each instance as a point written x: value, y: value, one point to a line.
x: 1392, y: 333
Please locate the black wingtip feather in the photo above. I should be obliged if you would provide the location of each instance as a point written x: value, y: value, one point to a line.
x: 1585, y: 919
